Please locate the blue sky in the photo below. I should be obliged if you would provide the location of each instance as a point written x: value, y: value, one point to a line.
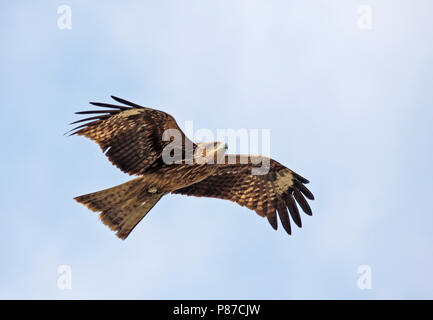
x: 348, y: 108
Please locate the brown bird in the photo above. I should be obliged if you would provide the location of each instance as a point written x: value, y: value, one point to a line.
x: 140, y: 141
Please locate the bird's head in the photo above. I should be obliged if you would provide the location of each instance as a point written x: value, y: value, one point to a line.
x: 210, y: 152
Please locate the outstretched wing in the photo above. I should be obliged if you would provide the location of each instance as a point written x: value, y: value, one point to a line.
x: 277, y: 191
x: 130, y: 135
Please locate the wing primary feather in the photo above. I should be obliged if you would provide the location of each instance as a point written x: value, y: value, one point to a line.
x: 300, y: 178
x: 108, y: 105
x: 83, y: 125
x: 102, y: 117
x: 284, y: 217
x: 97, y: 111
x: 294, y: 212
x: 73, y: 133
x: 304, y: 190
x: 302, y: 202
x: 272, y: 218
x: 128, y: 103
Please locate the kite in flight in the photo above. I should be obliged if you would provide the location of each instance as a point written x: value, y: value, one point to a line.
x: 134, y: 140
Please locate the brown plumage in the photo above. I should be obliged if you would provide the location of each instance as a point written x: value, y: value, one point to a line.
x: 131, y: 136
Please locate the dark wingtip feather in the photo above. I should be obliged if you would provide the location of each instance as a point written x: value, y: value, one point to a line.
x: 304, y: 190
x: 71, y: 134
x: 302, y: 202
x: 294, y: 212
x: 300, y: 178
x: 97, y: 111
x: 272, y: 218
x: 101, y: 117
x: 83, y: 125
x: 108, y: 105
x: 128, y: 103
x: 284, y: 217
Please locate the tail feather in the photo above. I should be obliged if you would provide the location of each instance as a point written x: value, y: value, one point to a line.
x: 122, y: 207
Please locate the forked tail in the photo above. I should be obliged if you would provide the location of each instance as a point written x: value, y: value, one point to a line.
x: 122, y: 207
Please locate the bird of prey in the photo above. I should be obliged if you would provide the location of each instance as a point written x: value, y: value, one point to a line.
x: 132, y: 137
